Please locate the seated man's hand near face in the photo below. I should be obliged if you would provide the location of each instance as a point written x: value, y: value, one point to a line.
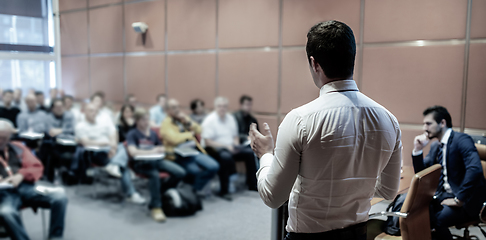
x: 261, y: 144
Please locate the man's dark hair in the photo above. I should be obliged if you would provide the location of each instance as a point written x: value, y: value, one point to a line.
x: 159, y: 96
x: 439, y: 113
x: 98, y: 94
x: 67, y: 97
x: 37, y: 93
x: 7, y: 91
x: 333, y: 46
x: 195, y: 102
x: 54, y: 101
x: 245, y: 98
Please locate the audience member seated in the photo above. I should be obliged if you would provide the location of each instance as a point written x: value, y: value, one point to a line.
x: 118, y: 166
x: 8, y: 110
x: 19, y: 171
x: 462, y: 189
x: 69, y: 107
x: 32, y: 121
x: 93, y: 134
x: 157, y: 112
x: 40, y: 99
x: 244, y: 118
x: 220, y: 134
x: 178, y: 131
x: 198, y: 112
x: 104, y: 113
x: 60, y: 126
x: 141, y: 142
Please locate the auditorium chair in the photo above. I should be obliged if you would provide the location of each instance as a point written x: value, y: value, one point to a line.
x: 414, y: 215
x: 466, y: 236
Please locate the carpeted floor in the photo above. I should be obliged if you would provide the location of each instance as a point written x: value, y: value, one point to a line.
x: 107, y: 217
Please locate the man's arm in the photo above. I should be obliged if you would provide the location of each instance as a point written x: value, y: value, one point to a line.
x: 172, y: 135
x: 22, y: 123
x: 134, y: 151
x: 278, y: 171
x: 474, y: 170
x: 389, y: 180
x: 32, y: 168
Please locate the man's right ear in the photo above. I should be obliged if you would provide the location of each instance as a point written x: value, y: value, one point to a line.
x: 314, y: 64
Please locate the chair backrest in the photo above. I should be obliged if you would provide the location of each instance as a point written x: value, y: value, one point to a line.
x: 482, y: 155
x: 417, y: 224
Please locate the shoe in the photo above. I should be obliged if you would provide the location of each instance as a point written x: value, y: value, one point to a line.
x: 226, y: 196
x: 136, y: 198
x: 158, y: 215
x: 113, y: 170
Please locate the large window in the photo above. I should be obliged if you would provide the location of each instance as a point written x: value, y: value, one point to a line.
x: 27, y: 45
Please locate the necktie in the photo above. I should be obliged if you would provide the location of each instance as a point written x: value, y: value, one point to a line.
x: 440, y: 161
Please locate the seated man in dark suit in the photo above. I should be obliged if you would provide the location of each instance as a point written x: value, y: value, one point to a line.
x: 244, y: 118
x: 462, y: 189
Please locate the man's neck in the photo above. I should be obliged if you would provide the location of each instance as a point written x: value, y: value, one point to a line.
x: 7, y: 104
x: 222, y: 118
x: 92, y: 121
x: 442, y: 134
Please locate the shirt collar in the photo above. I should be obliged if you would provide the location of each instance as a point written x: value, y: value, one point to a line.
x: 446, y: 136
x: 339, y: 86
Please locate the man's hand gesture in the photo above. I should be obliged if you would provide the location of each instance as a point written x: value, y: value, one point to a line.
x: 261, y: 144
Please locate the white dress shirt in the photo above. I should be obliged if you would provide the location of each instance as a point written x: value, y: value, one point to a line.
x: 222, y: 131
x: 332, y: 156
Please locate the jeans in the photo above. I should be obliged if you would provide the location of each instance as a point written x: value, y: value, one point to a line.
x: 121, y: 159
x: 151, y: 169
x: 25, y: 195
x: 201, y: 166
x: 121, y: 156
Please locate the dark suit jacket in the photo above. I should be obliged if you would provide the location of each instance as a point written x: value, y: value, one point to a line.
x: 464, y: 171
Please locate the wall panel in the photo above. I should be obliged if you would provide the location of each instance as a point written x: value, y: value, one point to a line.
x: 406, y: 80
x: 253, y: 73
x: 145, y: 77
x: 192, y: 76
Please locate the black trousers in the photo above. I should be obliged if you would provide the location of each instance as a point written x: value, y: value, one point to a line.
x: 355, y: 232
x: 442, y: 217
x: 54, y: 156
x: 227, y: 167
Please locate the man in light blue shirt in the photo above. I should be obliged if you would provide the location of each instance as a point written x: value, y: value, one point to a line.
x: 157, y: 112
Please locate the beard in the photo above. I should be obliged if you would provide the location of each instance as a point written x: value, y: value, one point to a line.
x: 432, y: 135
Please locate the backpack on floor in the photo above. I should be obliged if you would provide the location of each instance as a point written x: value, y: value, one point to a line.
x: 181, y: 201
x: 392, y: 224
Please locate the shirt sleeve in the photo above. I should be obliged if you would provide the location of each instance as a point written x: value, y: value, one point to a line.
x: 207, y: 130
x: 132, y: 139
x: 278, y: 172
x: 80, y: 131
x: 389, y: 179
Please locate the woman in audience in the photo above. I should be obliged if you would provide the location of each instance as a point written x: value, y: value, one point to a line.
x: 118, y: 164
x: 142, y: 143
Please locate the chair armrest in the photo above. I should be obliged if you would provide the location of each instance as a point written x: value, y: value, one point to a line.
x: 389, y: 214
